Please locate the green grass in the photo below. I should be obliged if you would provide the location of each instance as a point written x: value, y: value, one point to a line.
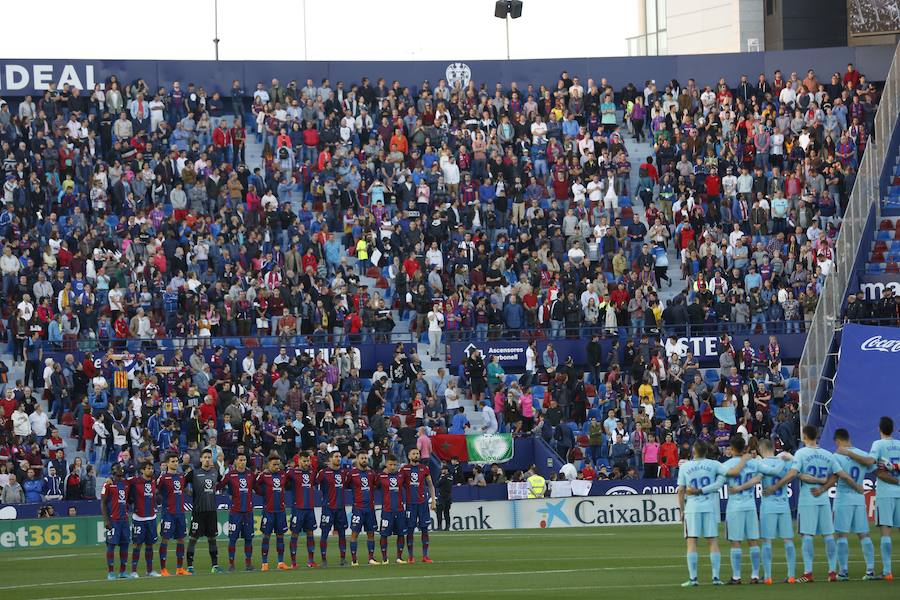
x: 614, y: 562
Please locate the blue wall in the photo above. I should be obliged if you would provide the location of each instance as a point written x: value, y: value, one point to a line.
x: 18, y: 76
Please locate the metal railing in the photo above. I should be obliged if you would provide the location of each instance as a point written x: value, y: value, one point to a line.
x: 738, y: 331
x: 866, y: 193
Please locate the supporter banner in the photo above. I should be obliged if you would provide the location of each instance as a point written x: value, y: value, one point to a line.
x: 369, y: 354
x: 490, y: 448
x: 871, y: 285
x: 864, y: 389
x: 21, y: 76
x: 511, y: 353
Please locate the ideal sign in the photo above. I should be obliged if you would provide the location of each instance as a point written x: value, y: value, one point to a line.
x: 18, y: 77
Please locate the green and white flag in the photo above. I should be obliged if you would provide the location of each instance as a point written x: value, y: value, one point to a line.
x: 490, y: 448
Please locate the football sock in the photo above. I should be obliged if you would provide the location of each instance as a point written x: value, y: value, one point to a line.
x: 342, y: 544
x: 425, y: 541
x: 248, y: 552
x: 843, y: 554
x: 715, y: 559
x: 868, y: 550
x: 265, y: 548
x: 310, y: 546
x: 110, y: 557
x: 831, y: 553
x: 323, y: 544
x: 135, y: 557
x: 192, y: 543
x: 790, y: 557
x: 736, y: 556
x: 179, y: 554
x: 279, y: 547
x: 383, y: 542
x: 370, y: 546
x: 766, y: 554
x: 231, y: 552
x: 123, y: 558
x: 754, y: 562
x: 886, y: 547
x: 148, y: 557
x: 294, y: 548
x: 164, y: 554
x: 692, y: 565
x: 353, y: 545
x: 399, y: 546
x: 806, y: 549
x: 213, y: 551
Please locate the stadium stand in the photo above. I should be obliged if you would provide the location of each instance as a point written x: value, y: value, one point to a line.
x: 160, y: 246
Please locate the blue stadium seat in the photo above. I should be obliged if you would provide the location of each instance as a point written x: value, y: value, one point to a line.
x: 595, y: 413
x: 785, y: 372
x: 792, y: 384
x: 538, y: 392
x: 510, y: 378
x: 719, y: 396
x: 884, y: 235
x: 711, y: 376
x: 875, y: 268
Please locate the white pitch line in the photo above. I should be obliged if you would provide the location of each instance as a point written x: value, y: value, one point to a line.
x: 457, y: 592
x: 334, y: 581
x: 41, y: 557
x: 360, y: 580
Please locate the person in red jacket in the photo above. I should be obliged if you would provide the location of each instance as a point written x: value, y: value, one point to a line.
x: 207, y: 410
x: 310, y: 149
x: 668, y: 457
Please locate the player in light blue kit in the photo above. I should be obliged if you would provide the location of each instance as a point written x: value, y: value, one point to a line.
x: 812, y: 466
x: 699, y: 481
x: 850, y: 506
x: 775, y: 511
x: 741, y: 521
x: 885, y: 454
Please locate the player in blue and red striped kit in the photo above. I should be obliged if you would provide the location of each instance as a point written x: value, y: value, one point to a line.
x: 270, y: 485
x: 332, y: 481
x: 239, y: 483
x: 142, y: 494
x: 114, y: 508
x: 416, y: 477
x: 301, y: 479
x: 171, y: 488
x: 361, y: 481
x: 393, y: 521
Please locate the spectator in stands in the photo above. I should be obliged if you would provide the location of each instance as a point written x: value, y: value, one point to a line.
x: 12, y: 492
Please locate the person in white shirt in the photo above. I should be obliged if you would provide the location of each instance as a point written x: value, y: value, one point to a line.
x: 25, y: 308
x: 595, y: 190
x: 788, y: 96
x: 451, y: 395
x: 568, y: 472
x: 490, y: 419
x: 578, y: 192
x: 435, y: 326
x: 530, y: 363
x: 538, y: 130
x: 434, y: 256
x: 39, y: 422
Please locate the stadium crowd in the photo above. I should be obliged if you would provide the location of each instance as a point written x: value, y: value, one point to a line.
x: 130, y: 216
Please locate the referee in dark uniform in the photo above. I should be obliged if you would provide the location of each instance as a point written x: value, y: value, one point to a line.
x: 204, y: 519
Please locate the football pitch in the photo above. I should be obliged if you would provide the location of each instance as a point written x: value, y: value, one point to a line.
x: 619, y: 562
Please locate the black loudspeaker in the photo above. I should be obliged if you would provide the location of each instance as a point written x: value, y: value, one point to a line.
x: 513, y: 8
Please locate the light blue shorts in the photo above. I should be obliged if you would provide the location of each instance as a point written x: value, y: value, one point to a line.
x: 850, y: 519
x: 701, y: 525
x: 815, y: 520
x: 776, y: 526
x: 887, y: 511
x: 742, y: 525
